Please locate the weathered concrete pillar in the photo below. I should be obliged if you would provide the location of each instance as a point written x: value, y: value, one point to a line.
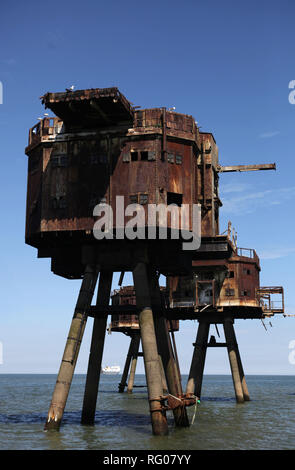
x: 72, y: 348
x: 232, y: 355
x: 150, y: 350
x: 195, y: 379
x: 241, y: 370
x: 96, y: 350
x: 135, y: 347
x: 170, y: 367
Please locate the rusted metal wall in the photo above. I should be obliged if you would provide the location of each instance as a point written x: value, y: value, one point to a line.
x: 82, y: 168
x: 207, y: 184
x: 34, y: 193
x: 241, y: 282
x: 231, y: 282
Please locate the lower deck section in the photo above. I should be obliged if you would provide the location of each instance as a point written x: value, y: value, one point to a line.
x: 184, y: 313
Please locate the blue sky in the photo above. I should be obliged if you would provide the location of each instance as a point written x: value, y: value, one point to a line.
x: 226, y: 63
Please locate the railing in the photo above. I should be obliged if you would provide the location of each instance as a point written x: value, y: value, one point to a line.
x: 247, y: 252
x: 231, y: 234
x: 35, y: 134
x: 276, y: 305
x: 44, y: 128
x: 180, y: 303
x: 267, y: 302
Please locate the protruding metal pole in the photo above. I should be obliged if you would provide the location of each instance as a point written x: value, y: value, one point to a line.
x: 241, y: 370
x: 232, y: 355
x: 72, y: 348
x: 96, y: 350
x: 150, y: 350
x: 195, y: 379
x: 136, y: 341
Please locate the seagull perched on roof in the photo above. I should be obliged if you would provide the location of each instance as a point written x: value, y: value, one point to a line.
x: 70, y: 89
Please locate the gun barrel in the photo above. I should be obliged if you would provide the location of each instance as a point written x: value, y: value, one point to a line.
x: 265, y: 166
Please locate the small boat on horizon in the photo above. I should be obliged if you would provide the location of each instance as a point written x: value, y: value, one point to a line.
x: 111, y: 370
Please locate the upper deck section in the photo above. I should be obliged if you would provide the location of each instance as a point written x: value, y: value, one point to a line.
x: 165, y: 122
x: 91, y: 111
x: 90, y: 108
x: 80, y: 111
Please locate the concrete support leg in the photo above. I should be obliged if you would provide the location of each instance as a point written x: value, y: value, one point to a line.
x: 150, y: 350
x: 195, y: 379
x: 136, y: 341
x: 166, y: 352
x: 232, y: 354
x: 172, y: 372
x: 122, y: 384
x: 72, y: 348
x: 241, y: 370
x: 96, y: 350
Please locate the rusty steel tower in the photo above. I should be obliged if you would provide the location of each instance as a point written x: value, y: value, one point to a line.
x: 99, y: 147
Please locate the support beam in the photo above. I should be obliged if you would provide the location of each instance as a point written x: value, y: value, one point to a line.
x: 232, y: 355
x: 122, y: 384
x: 136, y: 341
x: 94, y: 104
x: 150, y: 350
x: 96, y: 350
x: 72, y: 348
x: 174, y: 348
x: 195, y: 379
x: 171, y: 370
x: 241, y: 370
x: 164, y: 382
x: 121, y: 278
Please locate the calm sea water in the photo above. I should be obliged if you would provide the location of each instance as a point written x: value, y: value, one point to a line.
x: 123, y: 422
